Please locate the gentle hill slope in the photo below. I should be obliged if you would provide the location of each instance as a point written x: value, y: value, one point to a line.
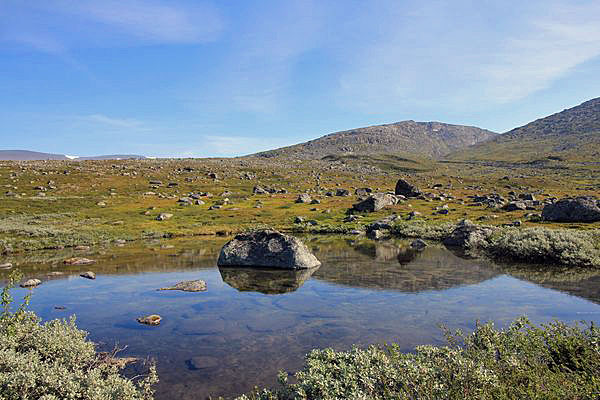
x: 572, y: 134
x: 26, y: 155
x: 424, y: 139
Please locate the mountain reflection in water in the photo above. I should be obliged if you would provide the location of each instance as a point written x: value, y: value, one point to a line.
x: 210, y: 343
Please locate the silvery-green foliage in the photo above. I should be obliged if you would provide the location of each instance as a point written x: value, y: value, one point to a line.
x: 54, y: 360
x: 561, y: 246
x: 554, y: 361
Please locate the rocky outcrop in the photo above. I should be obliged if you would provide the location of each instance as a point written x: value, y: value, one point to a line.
x: 580, y: 209
x: 406, y: 189
x: 375, y: 202
x: 267, y: 248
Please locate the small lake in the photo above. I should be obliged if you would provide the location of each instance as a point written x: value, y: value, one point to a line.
x: 250, y: 324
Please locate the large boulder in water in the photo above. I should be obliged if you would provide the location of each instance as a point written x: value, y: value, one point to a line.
x: 267, y: 248
x: 375, y: 202
x: 580, y: 209
x: 407, y: 189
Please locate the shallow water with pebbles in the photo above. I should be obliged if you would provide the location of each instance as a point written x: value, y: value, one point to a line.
x: 250, y: 324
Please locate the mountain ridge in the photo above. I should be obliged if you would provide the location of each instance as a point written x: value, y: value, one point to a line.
x: 428, y: 139
x: 28, y: 155
x: 573, y: 133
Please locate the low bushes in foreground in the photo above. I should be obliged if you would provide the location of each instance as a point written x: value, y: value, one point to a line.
x: 554, y: 361
x: 54, y: 360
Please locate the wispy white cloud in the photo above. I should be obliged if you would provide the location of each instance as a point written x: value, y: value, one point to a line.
x: 428, y: 55
x: 113, y: 122
x: 63, y: 24
x: 554, y: 44
x: 264, y: 50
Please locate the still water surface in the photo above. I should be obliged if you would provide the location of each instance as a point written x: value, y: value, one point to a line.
x: 250, y: 324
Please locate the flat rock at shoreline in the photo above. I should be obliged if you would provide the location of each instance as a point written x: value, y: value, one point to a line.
x: 188, y: 286
x: 78, y: 261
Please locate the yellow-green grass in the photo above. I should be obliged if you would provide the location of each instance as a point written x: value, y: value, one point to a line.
x: 69, y: 215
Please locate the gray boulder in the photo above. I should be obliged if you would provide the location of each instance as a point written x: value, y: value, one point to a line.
x: 88, y: 275
x: 515, y: 206
x: 267, y: 248
x: 407, y: 189
x: 304, y: 198
x: 467, y: 235
x: 30, y: 283
x: 375, y: 202
x: 580, y: 209
x: 418, y: 244
x: 188, y: 286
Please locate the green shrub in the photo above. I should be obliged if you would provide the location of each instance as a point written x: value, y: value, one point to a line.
x: 54, y: 360
x: 555, y: 361
x: 538, y: 245
x: 422, y: 229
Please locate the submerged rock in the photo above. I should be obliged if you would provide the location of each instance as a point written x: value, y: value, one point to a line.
x: 201, y: 362
x: 580, y: 209
x: 267, y: 248
x: 153, y: 320
x: 188, y: 286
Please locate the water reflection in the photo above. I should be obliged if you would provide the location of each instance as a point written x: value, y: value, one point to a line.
x: 364, y: 292
x: 265, y: 280
x: 396, y: 266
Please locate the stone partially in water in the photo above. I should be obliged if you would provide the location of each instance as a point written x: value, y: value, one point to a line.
x: 78, y: 261
x: 153, y: 320
x: 188, y: 286
x: 30, y: 283
x: 88, y: 275
x: 6, y: 266
x: 267, y: 248
x: 418, y: 244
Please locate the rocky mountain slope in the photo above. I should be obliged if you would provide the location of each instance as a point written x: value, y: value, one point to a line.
x: 427, y: 139
x: 572, y: 134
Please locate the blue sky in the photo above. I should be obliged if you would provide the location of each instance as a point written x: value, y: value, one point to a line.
x: 194, y: 78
